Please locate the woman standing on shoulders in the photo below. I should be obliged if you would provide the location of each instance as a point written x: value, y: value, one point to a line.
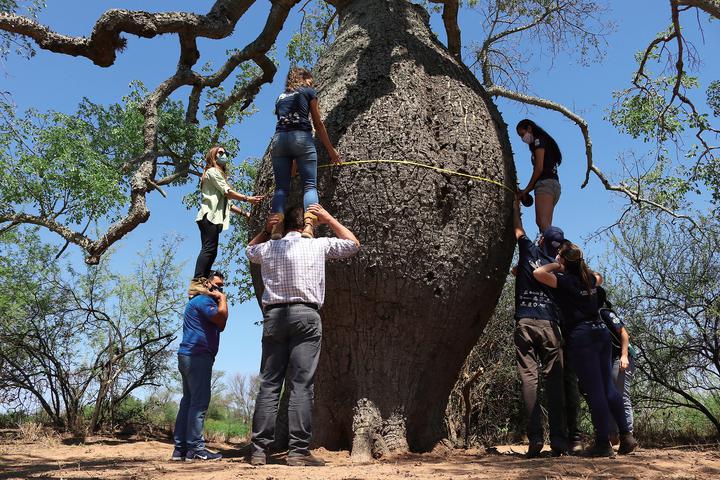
x: 293, y: 140
x: 545, y: 157
x: 214, y: 214
x: 588, y: 342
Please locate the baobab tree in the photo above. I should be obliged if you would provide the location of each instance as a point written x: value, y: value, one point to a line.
x: 402, y: 316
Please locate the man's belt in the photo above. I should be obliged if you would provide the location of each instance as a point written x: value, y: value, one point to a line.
x: 314, y: 306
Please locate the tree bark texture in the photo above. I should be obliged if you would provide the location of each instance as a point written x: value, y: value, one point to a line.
x: 401, y: 316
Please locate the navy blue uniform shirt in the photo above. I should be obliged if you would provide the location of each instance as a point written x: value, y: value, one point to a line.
x: 293, y: 110
x: 550, y: 161
x: 576, y: 304
x: 532, y: 298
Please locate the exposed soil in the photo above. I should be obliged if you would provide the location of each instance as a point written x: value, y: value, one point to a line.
x: 135, y: 459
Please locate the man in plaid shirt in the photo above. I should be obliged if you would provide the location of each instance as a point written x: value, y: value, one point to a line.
x: 293, y: 273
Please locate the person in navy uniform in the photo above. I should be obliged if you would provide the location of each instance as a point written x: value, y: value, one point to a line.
x: 623, y: 359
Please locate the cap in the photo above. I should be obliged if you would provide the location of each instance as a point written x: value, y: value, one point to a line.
x: 553, y: 238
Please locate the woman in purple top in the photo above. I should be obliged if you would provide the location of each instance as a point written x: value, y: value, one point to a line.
x: 293, y: 140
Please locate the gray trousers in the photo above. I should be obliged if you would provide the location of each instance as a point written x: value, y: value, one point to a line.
x: 291, y: 340
x: 622, y: 383
x: 538, y: 351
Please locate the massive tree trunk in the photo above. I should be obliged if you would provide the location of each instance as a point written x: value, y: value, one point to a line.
x: 401, y: 317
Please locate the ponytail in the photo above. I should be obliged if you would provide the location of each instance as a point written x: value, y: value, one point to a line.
x: 575, y: 265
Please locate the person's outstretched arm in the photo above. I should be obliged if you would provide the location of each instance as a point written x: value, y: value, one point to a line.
x: 546, y: 274
x: 517, y: 222
x: 340, y: 231
x: 322, y: 132
x: 537, y: 170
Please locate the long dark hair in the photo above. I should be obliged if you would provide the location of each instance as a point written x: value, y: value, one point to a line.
x: 538, y: 131
x: 575, y: 264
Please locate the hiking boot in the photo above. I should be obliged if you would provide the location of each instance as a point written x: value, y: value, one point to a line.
x: 309, y: 229
x: 178, y: 455
x: 534, y: 450
x: 197, y: 287
x: 258, y: 459
x: 278, y: 230
x: 202, y: 455
x: 627, y: 443
x: 600, y: 449
x: 576, y: 447
x: 305, y: 461
x: 558, y: 451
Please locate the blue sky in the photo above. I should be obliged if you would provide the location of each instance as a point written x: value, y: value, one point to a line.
x: 50, y: 81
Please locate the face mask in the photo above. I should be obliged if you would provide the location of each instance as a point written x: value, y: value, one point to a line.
x: 221, y: 159
x: 528, y: 138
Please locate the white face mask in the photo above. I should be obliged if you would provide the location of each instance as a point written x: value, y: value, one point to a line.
x: 528, y: 138
x: 221, y: 159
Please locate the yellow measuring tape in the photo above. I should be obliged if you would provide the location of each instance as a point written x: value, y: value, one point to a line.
x: 417, y: 164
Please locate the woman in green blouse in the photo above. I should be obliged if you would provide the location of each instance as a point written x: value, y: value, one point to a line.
x: 214, y: 214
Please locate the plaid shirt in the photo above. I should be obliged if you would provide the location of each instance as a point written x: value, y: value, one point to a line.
x: 293, y: 268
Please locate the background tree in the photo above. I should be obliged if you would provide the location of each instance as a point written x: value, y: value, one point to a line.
x: 666, y: 280
x: 485, y: 406
x: 71, y: 340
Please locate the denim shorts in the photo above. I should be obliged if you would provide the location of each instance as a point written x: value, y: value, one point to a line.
x: 548, y: 186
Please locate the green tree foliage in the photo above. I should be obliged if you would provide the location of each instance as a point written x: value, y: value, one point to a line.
x: 71, y: 340
x: 75, y: 167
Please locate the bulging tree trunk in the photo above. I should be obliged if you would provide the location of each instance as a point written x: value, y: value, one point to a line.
x: 401, y: 317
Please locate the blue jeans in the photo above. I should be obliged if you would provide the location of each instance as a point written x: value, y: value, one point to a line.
x: 291, y: 340
x: 590, y: 350
x: 622, y: 379
x: 300, y: 146
x: 196, y: 372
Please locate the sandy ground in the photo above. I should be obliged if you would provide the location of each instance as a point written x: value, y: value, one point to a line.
x: 109, y: 459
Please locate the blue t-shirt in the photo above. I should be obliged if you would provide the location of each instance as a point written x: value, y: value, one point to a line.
x: 200, y: 335
x: 293, y: 110
x: 532, y: 298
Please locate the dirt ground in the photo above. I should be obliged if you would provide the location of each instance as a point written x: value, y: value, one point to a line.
x: 137, y: 459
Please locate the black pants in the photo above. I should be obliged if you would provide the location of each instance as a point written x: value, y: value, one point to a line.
x: 209, y: 236
x: 291, y: 340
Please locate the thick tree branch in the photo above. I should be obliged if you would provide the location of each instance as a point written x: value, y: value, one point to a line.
x: 711, y: 7
x: 634, y: 195
x: 101, y: 48
x: 450, y: 20
x: 105, y: 40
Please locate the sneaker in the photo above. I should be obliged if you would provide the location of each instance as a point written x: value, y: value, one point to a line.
x: 627, y: 443
x: 258, y: 459
x: 178, y: 455
x: 600, y: 449
x: 534, y: 450
x: 305, y: 461
x: 203, y: 454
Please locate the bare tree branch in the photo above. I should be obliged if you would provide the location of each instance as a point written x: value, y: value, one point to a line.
x: 633, y: 195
